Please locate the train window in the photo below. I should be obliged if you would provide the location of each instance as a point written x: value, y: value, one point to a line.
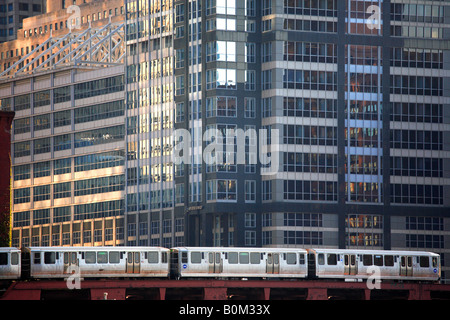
x: 435, y: 262
x: 137, y: 257
x: 14, y: 258
x: 114, y: 257
x: 331, y: 259
x: 291, y: 258
x: 255, y: 258
x: 184, y: 257
x: 89, y: 257
x: 378, y: 260
x: 152, y: 257
x: 243, y: 257
x: 102, y: 257
x: 301, y: 258
x: 321, y: 259
x: 196, y: 257
x: 163, y: 257
x: 367, y: 259
x: 49, y: 257
x: 37, y: 258
x: 424, y: 262
x: 389, y: 261
x: 232, y: 257
x: 3, y: 259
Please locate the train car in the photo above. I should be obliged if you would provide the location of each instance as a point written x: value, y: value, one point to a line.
x: 98, y: 262
x: 361, y: 264
x: 10, y: 266
x: 194, y: 262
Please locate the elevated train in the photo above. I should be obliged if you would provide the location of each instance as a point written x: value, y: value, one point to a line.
x: 217, y: 262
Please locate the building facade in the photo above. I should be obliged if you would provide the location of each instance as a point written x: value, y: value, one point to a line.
x: 12, y: 14
x: 357, y: 92
x: 342, y: 109
x: 67, y: 148
x: 59, y: 19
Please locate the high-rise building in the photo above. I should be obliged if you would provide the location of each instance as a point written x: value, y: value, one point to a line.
x: 12, y: 14
x: 340, y: 110
x: 356, y: 90
x: 59, y: 19
x: 64, y: 78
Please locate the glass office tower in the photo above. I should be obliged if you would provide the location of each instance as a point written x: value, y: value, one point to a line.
x: 356, y: 91
x: 150, y: 191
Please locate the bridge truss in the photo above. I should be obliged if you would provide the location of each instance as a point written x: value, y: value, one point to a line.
x: 90, y: 48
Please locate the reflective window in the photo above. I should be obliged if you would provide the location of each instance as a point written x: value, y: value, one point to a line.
x: 291, y: 258
x: 3, y: 259
x: 364, y: 17
x: 22, y: 172
x: 196, y: 257
x: 389, y: 261
x: 321, y: 259
x: 102, y: 257
x: 255, y: 257
x: 41, y: 146
x: 61, y: 94
x: 232, y: 257
x: 378, y: 260
x: 49, y: 257
x: 22, y: 125
x: 367, y: 260
x: 90, y: 257
x: 14, y: 258
x: 331, y: 259
x: 99, y: 87
x: 243, y: 257
x: 221, y: 79
x: 114, y: 257
x: 99, y: 136
x: 152, y: 257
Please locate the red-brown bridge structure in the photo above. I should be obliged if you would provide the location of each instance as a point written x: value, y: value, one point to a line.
x: 213, y: 289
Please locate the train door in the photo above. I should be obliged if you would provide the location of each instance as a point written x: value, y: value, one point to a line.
x: 175, y: 263
x: 133, y: 262
x: 70, y: 261
x: 273, y: 263
x: 215, y: 262
x: 350, y: 265
x: 406, y: 266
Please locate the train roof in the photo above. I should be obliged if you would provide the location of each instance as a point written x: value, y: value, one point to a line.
x: 371, y: 251
x: 72, y: 249
x: 8, y: 249
x: 239, y: 249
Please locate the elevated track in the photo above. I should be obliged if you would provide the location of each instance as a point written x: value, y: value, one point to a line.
x: 157, y: 289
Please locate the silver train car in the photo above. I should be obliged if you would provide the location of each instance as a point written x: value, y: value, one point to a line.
x: 388, y: 265
x: 195, y: 262
x: 10, y: 264
x: 98, y: 262
x: 218, y: 262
